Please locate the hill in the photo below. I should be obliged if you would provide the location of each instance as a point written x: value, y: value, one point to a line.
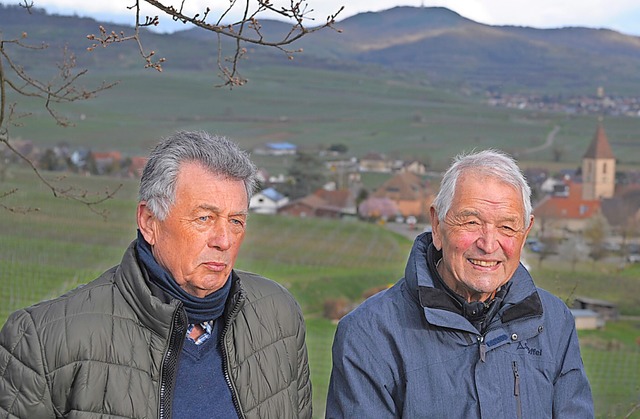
x: 345, y: 88
x: 432, y: 45
x: 441, y: 47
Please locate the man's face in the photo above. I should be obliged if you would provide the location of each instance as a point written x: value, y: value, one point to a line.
x: 198, y: 242
x: 481, y: 236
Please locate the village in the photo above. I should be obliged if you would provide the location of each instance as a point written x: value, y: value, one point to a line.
x: 592, y: 212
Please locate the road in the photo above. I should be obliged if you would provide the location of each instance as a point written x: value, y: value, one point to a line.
x: 551, y: 137
x: 406, y: 230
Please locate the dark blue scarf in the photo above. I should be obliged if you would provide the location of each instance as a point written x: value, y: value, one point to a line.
x: 199, y: 310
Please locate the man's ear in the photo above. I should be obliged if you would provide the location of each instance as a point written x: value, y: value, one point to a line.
x: 435, y: 229
x: 147, y: 222
x: 527, y: 231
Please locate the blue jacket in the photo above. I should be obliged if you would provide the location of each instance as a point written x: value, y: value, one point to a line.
x: 403, y: 353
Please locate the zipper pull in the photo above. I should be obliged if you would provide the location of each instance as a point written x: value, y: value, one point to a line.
x: 483, y: 349
x: 516, y: 379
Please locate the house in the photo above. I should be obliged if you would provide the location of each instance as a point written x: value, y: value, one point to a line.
x: 565, y: 210
x: 80, y: 157
x: 339, y: 198
x: 550, y: 185
x: 277, y: 149
x: 322, y: 203
x: 587, y: 319
x: 622, y: 212
x: 375, y: 162
x: 536, y: 176
x: 605, y: 309
x: 106, y: 162
x: 410, y: 194
x: 25, y: 148
x: 414, y: 167
x: 267, y: 201
x: 345, y: 172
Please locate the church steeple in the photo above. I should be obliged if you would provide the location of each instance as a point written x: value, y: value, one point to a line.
x: 598, y: 167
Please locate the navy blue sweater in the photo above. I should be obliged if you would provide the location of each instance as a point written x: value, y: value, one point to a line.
x: 201, y: 390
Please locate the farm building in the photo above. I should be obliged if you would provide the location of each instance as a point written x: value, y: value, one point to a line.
x: 587, y: 319
x: 607, y: 310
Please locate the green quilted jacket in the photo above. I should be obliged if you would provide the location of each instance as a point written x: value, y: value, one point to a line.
x: 109, y: 349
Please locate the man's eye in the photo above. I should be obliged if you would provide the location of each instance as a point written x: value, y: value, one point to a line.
x: 203, y: 219
x: 237, y: 222
x: 508, y: 230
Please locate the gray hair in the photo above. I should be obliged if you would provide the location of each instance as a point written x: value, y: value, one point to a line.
x: 217, y: 154
x: 492, y: 163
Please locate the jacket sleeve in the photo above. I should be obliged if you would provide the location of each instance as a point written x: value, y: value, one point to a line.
x: 24, y: 392
x: 358, y: 387
x: 572, y: 394
x: 304, y: 382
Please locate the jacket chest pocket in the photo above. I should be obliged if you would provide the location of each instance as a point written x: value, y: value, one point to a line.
x: 526, y: 385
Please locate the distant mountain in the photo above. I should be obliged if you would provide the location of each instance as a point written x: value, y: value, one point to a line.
x: 441, y: 46
x: 429, y: 44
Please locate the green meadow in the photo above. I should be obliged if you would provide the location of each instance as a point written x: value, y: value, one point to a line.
x: 314, y: 109
x: 49, y: 245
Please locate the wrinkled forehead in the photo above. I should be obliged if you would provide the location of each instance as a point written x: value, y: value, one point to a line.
x: 489, y: 188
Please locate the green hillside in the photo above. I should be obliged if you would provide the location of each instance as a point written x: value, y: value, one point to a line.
x: 314, y: 110
x: 335, y: 93
x: 433, y: 45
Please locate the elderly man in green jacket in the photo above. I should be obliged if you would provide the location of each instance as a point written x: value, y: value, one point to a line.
x: 173, y: 331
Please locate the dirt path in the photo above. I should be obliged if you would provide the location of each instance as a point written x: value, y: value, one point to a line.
x: 551, y: 137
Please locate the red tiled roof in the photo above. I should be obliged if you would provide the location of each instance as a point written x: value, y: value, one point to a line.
x: 567, y: 207
x: 339, y: 198
x: 402, y: 186
x: 113, y: 155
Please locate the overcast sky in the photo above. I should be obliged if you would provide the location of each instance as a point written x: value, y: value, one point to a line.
x: 620, y: 15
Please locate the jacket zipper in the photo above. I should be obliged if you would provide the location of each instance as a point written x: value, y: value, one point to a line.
x: 516, y: 389
x: 170, y: 363
x: 483, y: 348
x: 225, y: 356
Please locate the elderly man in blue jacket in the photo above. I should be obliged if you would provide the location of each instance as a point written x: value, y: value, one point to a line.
x: 466, y: 333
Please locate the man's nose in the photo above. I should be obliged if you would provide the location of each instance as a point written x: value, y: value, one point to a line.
x: 488, y: 239
x: 220, y: 234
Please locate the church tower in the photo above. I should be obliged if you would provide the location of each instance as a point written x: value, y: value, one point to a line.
x: 598, y: 168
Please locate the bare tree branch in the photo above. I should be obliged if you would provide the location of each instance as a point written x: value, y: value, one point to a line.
x: 62, y: 88
x: 246, y: 30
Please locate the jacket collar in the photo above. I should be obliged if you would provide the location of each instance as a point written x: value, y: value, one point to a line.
x: 154, y: 312
x: 521, y: 300
x: 151, y: 306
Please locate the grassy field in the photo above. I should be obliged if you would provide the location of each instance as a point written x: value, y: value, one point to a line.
x: 314, y: 109
x: 46, y: 252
